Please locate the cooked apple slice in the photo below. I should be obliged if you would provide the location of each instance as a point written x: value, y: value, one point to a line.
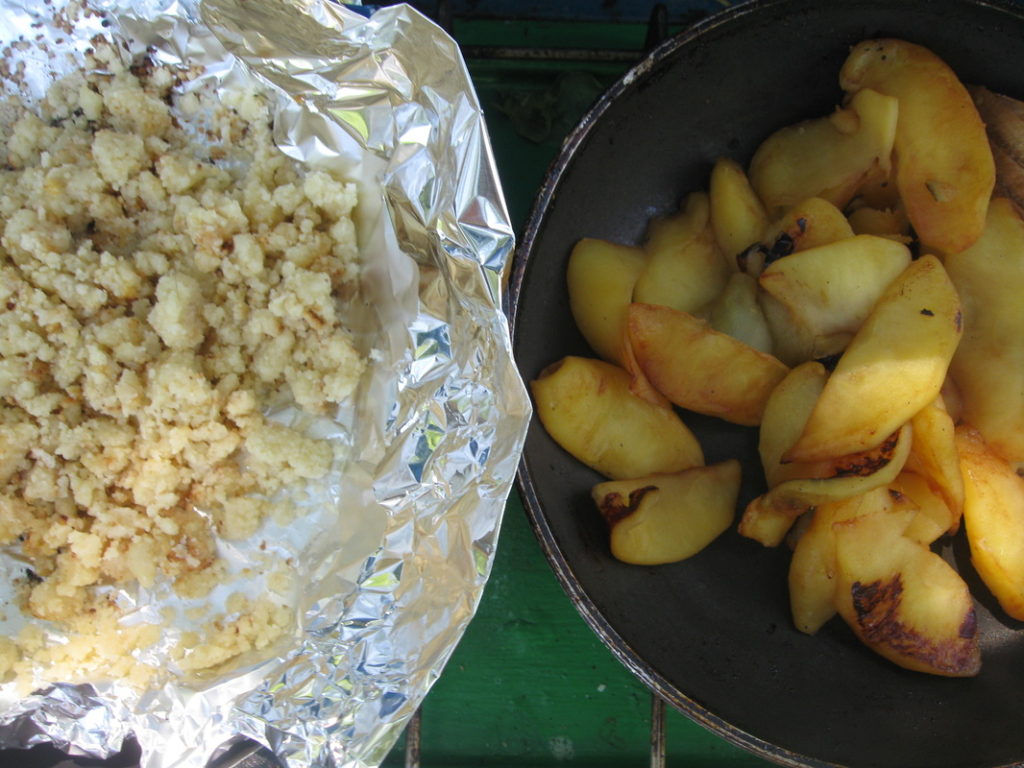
x: 737, y: 215
x: 665, y: 518
x: 685, y: 269
x: 808, y: 224
x: 793, y: 342
x: 638, y: 383
x: 994, y: 519
x: 935, y: 456
x: 807, y: 483
x: 879, y: 192
x: 894, y: 366
x: 812, y: 569
x: 883, y: 222
x: 828, y: 157
x: 988, y: 371
x: 903, y: 600
x: 832, y: 288
x: 768, y: 520
x: 849, y: 475
x: 769, y: 517
x: 737, y: 313
x: 785, y: 415
x: 698, y: 368
x: 944, y: 167
x: 587, y: 408
x: 934, y: 517
x: 601, y: 276
x: 1004, y: 123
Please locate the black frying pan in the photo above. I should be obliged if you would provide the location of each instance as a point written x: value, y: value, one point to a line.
x: 712, y: 634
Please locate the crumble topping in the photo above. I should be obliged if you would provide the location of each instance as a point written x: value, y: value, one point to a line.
x: 166, y: 274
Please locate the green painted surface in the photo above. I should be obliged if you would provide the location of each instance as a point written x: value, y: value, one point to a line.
x: 530, y: 684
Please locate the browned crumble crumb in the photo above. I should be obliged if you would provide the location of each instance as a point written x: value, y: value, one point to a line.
x: 157, y: 292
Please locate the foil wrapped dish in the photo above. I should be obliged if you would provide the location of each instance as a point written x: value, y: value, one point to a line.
x: 258, y: 413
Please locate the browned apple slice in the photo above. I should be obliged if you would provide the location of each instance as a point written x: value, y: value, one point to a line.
x: 903, y: 600
x: 587, y: 408
x: 638, y: 383
x: 994, y: 519
x: 699, y: 368
x: 666, y: 518
x: 895, y: 365
x: 768, y: 517
x: 812, y: 569
x: 849, y: 475
x: 944, y: 167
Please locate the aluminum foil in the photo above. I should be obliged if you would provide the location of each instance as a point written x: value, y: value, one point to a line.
x: 399, y: 540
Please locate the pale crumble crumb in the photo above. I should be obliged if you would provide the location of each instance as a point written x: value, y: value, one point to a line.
x: 280, y: 581
x: 9, y: 656
x: 165, y: 273
x: 251, y: 625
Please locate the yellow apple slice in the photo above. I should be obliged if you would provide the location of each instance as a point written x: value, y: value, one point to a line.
x: 944, y: 167
x: 587, y: 408
x: 793, y: 342
x: 934, y: 517
x: 988, y: 371
x: 901, y: 599
x: 698, y: 368
x: 832, y: 288
x: 812, y: 568
x: 769, y: 517
x: 883, y: 222
x: 936, y: 458
x: 893, y: 367
x: 666, y: 518
x: 851, y: 475
x: 684, y: 269
x: 809, y: 224
x: 785, y: 415
x: 879, y: 192
x: 737, y: 215
x: 767, y: 520
x: 994, y: 519
x: 828, y: 157
x: 737, y: 313
x: 600, y: 277
x: 638, y: 383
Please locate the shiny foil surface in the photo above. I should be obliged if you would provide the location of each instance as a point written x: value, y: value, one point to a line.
x: 397, y: 543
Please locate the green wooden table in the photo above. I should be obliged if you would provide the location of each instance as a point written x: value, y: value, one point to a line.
x: 530, y: 684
